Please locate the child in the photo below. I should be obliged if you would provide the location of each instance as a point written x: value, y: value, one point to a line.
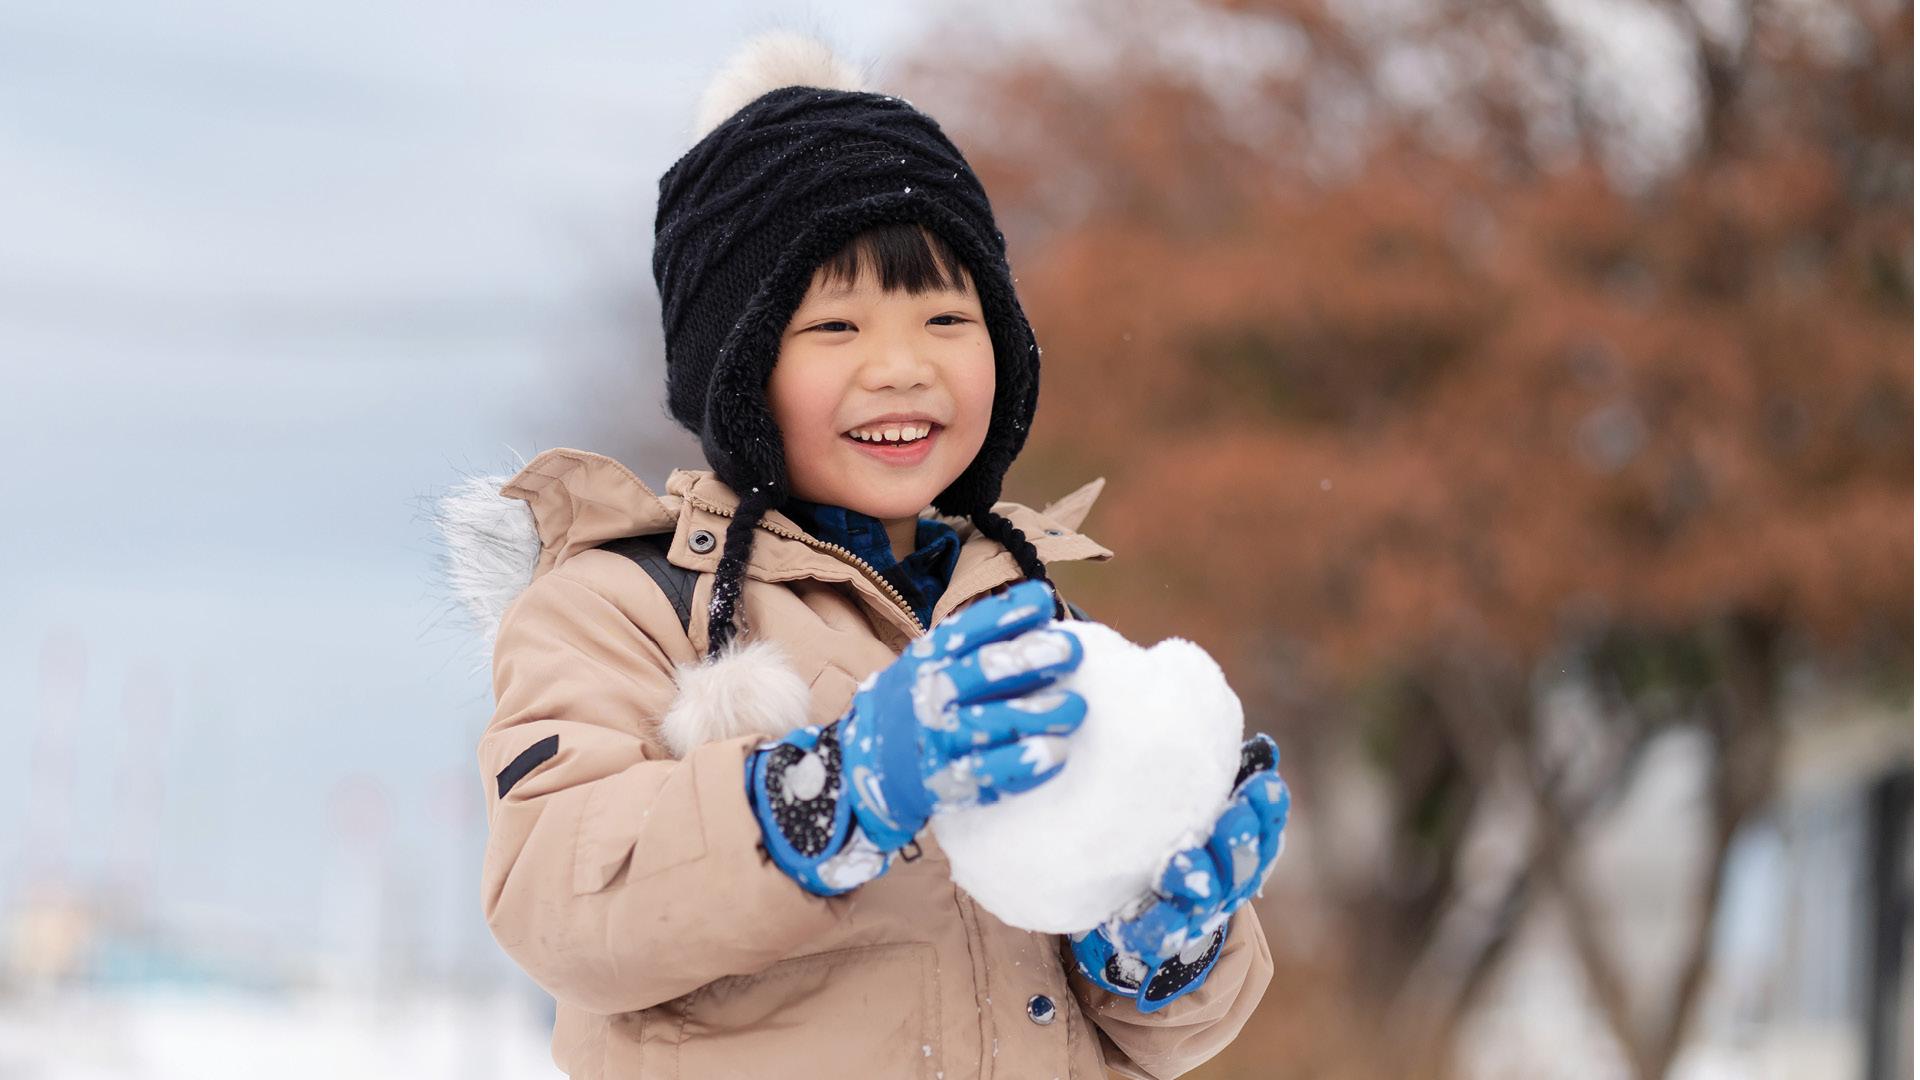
x: 706, y: 805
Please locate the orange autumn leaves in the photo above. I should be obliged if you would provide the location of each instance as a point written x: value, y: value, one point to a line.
x: 1438, y: 397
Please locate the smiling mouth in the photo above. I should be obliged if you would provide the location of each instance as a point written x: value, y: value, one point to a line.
x: 932, y: 430
x: 903, y: 453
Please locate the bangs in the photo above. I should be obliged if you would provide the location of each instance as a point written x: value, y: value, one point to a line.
x: 906, y: 257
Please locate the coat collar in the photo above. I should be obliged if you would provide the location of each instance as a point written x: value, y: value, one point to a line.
x: 708, y: 503
x: 501, y: 532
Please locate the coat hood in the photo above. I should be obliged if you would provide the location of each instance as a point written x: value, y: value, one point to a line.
x: 501, y: 531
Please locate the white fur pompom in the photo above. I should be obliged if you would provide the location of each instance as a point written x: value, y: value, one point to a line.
x: 750, y: 689
x: 768, y: 62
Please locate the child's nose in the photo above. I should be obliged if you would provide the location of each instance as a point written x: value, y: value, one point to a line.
x: 898, y: 363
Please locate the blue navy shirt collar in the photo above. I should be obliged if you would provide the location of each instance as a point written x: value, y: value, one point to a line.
x: 922, y: 577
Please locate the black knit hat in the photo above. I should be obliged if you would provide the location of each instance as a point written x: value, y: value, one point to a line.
x: 745, y: 217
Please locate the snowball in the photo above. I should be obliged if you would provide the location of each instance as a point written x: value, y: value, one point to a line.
x: 1147, y: 774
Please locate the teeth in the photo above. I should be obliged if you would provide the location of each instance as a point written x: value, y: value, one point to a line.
x: 904, y: 433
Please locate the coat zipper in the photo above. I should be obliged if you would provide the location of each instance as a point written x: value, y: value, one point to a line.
x: 825, y: 546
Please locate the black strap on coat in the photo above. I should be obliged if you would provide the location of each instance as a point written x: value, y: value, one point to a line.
x: 650, y: 552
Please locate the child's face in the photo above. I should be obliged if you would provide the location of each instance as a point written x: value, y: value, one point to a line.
x: 851, y: 355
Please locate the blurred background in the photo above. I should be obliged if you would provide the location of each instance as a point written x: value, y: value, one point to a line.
x: 1516, y: 397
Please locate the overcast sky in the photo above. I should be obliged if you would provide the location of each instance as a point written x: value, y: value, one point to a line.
x: 272, y: 272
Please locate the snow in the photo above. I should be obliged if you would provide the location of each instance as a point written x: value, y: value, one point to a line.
x: 187, y: 1033
x: 1145, y: 775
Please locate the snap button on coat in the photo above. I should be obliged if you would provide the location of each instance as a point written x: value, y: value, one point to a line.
x: 1040, y: 1009
x: 701, y: 541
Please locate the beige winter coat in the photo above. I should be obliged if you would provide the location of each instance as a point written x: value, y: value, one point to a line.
x: 621, y: 872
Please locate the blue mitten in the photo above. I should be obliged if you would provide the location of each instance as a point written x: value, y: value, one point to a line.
x: 1163, y: 945
x: 961, y: 718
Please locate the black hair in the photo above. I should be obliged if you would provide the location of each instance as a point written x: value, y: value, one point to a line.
x: 907, y: 256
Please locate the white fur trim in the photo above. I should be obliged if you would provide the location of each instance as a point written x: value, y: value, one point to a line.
x: 491, y: 546
x: 768, y: 62
x: 750, y: 689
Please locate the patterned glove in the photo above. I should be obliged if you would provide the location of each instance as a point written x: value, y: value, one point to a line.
x: 1164, y: 945
x: 959, y: 719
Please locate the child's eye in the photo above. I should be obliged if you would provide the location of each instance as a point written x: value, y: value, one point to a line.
x: 833, y: 326
x: 956, y: 319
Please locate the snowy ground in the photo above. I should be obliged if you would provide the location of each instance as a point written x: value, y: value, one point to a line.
x: 198, y: 1035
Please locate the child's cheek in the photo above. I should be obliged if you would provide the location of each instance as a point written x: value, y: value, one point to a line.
x: 804, y: 399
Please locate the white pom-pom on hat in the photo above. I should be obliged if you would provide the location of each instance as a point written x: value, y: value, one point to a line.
x: 770, y: 61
